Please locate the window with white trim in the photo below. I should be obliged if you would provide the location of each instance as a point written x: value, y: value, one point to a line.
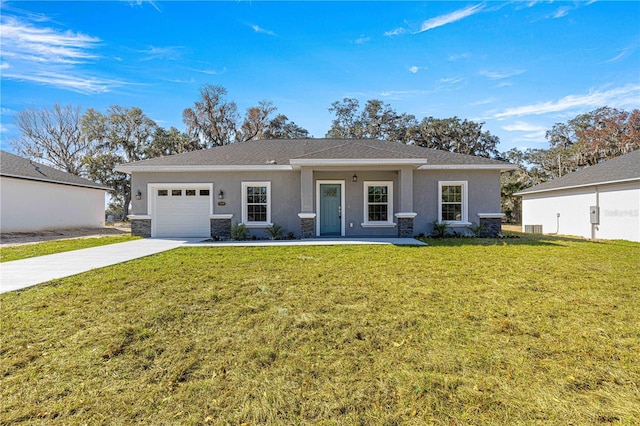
x: 256, y: 203
x: 378, y: 203
x: 452, y: 201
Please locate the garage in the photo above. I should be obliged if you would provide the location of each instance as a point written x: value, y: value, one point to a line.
x: 181, y: 210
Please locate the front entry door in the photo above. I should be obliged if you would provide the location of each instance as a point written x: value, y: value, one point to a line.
x: 330, y: 209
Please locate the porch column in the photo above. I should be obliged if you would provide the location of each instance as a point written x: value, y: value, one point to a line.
x: 405, y: 213
x: 306, y: 215
x: 220, y: 225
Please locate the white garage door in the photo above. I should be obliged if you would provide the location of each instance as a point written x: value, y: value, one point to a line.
x: 182, y: 211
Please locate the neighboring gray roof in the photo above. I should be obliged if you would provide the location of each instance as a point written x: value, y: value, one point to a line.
x: 619, y: 169
x: 21, y: 168
x: 281, y: 152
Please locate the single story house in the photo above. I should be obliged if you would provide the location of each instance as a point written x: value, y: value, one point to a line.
x: 313, y: 188
x: 600, y: 201
x: 35, y: 197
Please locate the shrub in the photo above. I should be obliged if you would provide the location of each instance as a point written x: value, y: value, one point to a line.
x: 239, y: 231
x: 439, y: 229
x: 275, y: 231
x: 477, y: 229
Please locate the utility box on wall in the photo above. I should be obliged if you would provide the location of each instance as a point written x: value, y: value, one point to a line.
x: 594, y: 215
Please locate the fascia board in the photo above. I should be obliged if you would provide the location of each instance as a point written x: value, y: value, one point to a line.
x: 501, y: 167
x: 234, y: 168
x: 359, y: 162
x: 584, y: 185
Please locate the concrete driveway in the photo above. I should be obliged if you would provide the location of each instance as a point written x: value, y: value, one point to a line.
x: 29, y: 272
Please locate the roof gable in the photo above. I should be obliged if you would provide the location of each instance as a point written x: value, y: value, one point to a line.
x: 619, y: 169
x: 22, y: 168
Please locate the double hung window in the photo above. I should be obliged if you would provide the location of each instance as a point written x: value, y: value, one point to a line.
x: 378, y: 203
x: 256, y: 203
x: 452, y: 206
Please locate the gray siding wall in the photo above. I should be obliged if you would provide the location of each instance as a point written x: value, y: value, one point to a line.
x: 483, y: 195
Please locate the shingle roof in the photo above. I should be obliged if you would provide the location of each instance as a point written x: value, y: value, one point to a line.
x: 619, y: 169
x: 282, y: 151
x: 21, y: 168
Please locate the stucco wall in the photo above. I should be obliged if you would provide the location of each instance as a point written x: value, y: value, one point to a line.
x: 619, y: 211
x: 483, y: 194
x: 483, y: 188
x: 33, y: 206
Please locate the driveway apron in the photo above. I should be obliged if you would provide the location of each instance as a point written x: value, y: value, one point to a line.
x: 29, y: 272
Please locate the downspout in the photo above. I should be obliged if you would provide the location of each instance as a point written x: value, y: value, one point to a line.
x: 594, y: 226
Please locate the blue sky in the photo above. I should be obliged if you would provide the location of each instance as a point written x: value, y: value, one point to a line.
x: 518, y: 66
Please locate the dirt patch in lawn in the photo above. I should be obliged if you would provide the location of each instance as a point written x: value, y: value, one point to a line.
x: 9, y: 239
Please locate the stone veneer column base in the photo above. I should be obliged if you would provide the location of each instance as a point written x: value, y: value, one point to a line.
x: 221, y: 226
x: 140, y: 227
x: 492, y: 223
x: 307, y: 224
x: 405, y: 224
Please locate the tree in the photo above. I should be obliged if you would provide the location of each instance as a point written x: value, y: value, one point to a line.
x: 281, y: 128
x: 455, y: 135
x: 168, y: 142
x: 213, y: 120
x: 376, y: 121
x: 124, y: 135
x: 256, y: 122
x: 53, y: 135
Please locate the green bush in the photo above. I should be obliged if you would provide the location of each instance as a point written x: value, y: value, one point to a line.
x: 239, y: 231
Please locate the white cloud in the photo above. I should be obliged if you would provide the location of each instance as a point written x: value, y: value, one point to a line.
x: 561, y: 12
x: 210, y: 72
x: 486, y: 101
x: 142, y: 2
x: 413, y: 69
x: 171, y: 53
x: 261, y: 30
x: 459, y: 56
x: 46, y: 55
x: 395, y: 32
x: 361, y: 40
x: 449, y: 18
x: 522, y: 126
x: 620, y: 97
x: 496, y: 75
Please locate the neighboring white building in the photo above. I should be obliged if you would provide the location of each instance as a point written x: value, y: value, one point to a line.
x: 601, y: 201
x: 35, y: 197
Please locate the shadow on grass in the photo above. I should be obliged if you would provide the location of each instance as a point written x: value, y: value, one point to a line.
x: 511, y: 238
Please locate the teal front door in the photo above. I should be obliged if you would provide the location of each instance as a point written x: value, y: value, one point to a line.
x: 330, y: 209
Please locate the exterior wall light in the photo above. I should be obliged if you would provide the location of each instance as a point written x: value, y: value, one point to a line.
x: 221, y: 194
x: 138, y: 195
x: 355, y: 177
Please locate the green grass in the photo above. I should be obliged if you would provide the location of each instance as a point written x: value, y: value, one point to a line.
x: 25, y: 251
x: 523, y: 331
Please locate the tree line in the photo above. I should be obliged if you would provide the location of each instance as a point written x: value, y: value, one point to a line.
x: 92, y: 143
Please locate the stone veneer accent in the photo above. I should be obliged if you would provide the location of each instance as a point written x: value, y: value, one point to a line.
x: 141, y: 228
x: 307, y: 224
x: 221, y: 226
x: 492, y: 224
x: 405, y: 224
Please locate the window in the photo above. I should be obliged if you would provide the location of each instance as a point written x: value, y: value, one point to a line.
x: 163, y: 192
x: 176, y: 192
x: 256, y: 203
x: 378, y: 203
x: 190, y: 192
x: 204, y: 192
x: 453, y: 201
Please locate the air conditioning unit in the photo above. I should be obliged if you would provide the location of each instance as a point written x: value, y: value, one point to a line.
x: 533, y: 229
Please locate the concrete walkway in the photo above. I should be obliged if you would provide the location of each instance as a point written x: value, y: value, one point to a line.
x: 35, y: 270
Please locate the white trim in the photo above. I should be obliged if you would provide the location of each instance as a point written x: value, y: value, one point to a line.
x: 221, y: 216
x: 406, y: 215
x: 307, y: 215
x: 245, y: 220
x: 365, y: 193
x: 491, y: 215
x: 464, y: 220
x: 585, y: 185
x: 379, y: 225
x: 342, y: 203
x: 151, y: 197
x: 138, y: 216
x: 500, y: 167
x: 358, y: 161
x: 56, y: 182
x: 235, y: 168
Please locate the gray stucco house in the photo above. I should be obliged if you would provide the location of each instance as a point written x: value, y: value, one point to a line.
x: 313, y: 188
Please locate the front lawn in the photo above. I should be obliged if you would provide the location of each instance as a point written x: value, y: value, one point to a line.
x: 24, y: 251
x: 524, y: 331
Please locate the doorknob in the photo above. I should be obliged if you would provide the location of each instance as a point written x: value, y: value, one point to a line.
x: 339, y: 212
